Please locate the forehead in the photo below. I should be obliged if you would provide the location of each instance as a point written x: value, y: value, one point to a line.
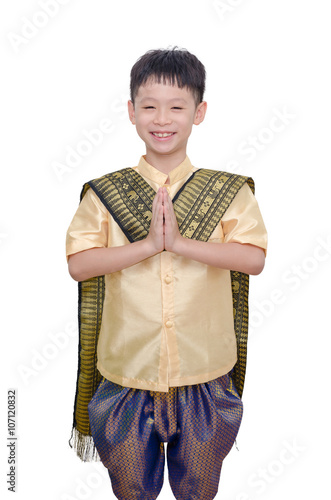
x: 164, y: 91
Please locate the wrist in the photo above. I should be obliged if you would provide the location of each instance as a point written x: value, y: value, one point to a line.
x: 178, y: 245
x: 149, y: 247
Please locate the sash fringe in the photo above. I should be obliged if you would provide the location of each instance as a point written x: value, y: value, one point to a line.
x: 84, y: 446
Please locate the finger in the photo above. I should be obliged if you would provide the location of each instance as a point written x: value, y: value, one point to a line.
x: 165, y: 195
x: 169, y: 220
x: 156, y: 202
x: 165, y: 201
x: 160, y: 218
x: 169, y: 208
x: 158, y: 196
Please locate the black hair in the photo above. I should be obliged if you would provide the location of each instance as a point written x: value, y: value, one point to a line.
x: 176, y: 66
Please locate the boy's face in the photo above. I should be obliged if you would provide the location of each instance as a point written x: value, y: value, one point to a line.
x: 164, y: 115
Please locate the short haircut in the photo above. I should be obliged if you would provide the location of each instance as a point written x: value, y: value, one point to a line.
x: 174, y: 66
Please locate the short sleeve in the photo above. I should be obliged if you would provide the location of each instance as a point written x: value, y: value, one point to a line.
x: 242, y: 222
x: 89, y: 226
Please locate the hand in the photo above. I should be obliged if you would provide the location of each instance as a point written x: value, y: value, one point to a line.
x: 155, y: 237
x: 172, y: 235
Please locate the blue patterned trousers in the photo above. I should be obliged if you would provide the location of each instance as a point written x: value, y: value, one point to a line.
x: 130, y: 426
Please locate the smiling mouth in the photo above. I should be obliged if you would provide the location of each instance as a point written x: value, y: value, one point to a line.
x: 163, y: 135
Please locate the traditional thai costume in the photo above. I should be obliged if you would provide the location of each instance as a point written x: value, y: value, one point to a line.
x: 162, y: 348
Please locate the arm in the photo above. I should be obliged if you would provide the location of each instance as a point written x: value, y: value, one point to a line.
x: 164, y: 234
x: 245, y: 258
x: 99, y: 261
x: 233, y: 256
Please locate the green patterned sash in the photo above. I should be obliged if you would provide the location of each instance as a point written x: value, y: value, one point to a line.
x: 199, y: 205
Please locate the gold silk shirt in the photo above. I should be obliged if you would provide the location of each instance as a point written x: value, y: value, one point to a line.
x: 168, y: 320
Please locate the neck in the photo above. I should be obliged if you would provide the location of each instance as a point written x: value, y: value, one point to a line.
x: 165, y: 163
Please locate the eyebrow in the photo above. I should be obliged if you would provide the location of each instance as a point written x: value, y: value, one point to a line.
x: 175, y: 99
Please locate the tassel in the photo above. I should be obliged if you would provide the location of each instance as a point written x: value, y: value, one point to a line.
x: 84, y: 446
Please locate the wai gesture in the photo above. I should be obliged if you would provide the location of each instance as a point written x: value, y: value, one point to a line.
x: 164, y: 233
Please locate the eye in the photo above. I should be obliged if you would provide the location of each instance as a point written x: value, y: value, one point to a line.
x: 148, y: 107
x: 176, y: 107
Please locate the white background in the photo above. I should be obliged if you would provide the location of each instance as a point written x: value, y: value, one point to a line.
x: 59, y: 79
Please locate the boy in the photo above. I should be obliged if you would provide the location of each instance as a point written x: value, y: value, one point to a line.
x: 162, y: 254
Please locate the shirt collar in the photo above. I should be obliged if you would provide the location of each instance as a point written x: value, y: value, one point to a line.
x: 152, y: 173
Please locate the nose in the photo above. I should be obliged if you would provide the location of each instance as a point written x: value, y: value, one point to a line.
x: 161, y: 117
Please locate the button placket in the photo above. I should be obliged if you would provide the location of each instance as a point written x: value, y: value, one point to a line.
x: 168, y: 319
x: 167, y: 289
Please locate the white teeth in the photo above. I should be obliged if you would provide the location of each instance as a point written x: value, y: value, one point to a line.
x: 162, y: 135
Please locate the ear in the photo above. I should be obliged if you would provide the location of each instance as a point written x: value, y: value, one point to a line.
x: 132, y: 115
x: 200, y: 113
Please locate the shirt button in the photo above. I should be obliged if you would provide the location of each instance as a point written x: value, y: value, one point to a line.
x: 168, y: 279
x: 169, y: 324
